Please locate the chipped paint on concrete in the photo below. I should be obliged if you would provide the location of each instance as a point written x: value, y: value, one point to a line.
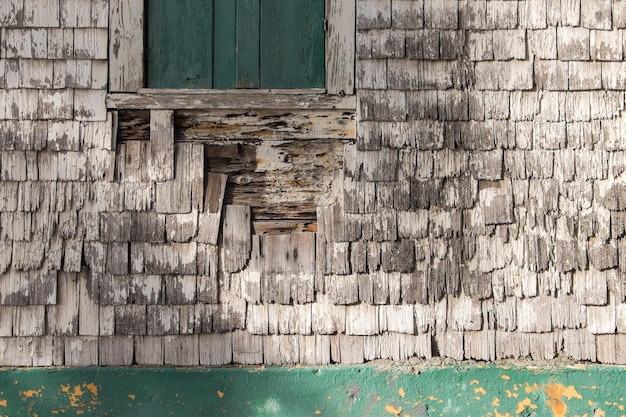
x: 462, y: 390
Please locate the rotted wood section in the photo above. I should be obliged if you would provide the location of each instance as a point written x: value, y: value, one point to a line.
x: 279, y: 163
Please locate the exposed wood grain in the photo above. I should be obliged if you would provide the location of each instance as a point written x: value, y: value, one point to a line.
x: 81, y: 351
x: 161, y: 163
x: 149, y: 350
x: 265, y: 124
x: 115, y: 351
x: 247, y: 348
x: 181, y: 350
x: 126, y: 46
x: 216, y: 349
x: 62, y: 318
x: 314, y: 349
x: 340, y: 46
x: 229, y: 99
x: 236, y: 238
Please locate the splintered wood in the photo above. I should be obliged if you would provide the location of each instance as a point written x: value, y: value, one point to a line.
x: 274, y: 162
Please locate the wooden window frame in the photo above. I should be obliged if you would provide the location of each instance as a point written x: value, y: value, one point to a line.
x: 126, y: 69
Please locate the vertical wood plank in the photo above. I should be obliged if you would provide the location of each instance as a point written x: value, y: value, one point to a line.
x: 161, y: 160
x: 225, y: 44
x: 237, y: 238
x: 291, y: 44
x: 340, y: 46
x: 178, y: 56
x: 247, y: 62
x: 126, y: 44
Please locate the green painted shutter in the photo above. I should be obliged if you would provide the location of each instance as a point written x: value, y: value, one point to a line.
x: 235, y: 44
x: 292, y: 44
x: 180, y: 44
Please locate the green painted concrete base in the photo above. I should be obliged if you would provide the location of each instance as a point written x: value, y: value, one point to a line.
x: 465, y: 390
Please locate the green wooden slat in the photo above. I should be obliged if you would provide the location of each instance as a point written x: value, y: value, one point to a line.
x: 224, y: 44
x: 180, y: 44
x: 292, y: 44
x: 247, y: 28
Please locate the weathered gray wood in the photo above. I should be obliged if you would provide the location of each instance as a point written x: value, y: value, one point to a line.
x: 175, y: 196
x: 87, y: 304
x: 216, y: 349
x: 247, y: 348
x: 160, y: 159
x: 62, y: 318
x: 115, y: 351
x: 362, y: 319
x: 16, y: 351
x: 208, y: 259
x: 230, y: 313
x: 14, y: 288
x: 181, y: 227
x: 340, y: 46
x: 29, y: 321
x: 396, y: 318
x: 342, y: 289
x: 236, y: 238
x: 327, y: 317
x: 42, y: 287
x: 348, y: 350
x: 180, y: 289
x: 172, y: 258
x: 181, y: 350
x: 44, y: 350
x: 229, y: 99
x: 464, y: 313
x: 149, y: 350
x: 265, y: 124
x: 162, y: 320
x: 314, y: 350
x: 480, y: 345
x: 130, y: 319
x: 126, y: 72
x: 81, y: 351
x: 281, y: 350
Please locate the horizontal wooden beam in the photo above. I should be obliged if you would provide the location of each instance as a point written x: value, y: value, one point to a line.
x: 230, y: 99
x: 265, y: 124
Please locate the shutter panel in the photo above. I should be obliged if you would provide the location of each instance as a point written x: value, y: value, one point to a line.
x: 180, y: 44
x: 235, y: 44
x: 224, y: 43
x: 247, y: 61
x: 292, y: 44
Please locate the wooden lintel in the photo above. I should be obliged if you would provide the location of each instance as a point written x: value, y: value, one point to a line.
x: 263, y: 124
x: 229, y: 99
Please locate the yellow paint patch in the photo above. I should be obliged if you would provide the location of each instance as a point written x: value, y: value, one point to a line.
x: 501, y: 415
x: 599, y: 413
x: 31, y: 393
x: 506, y: 377
x: 318, y: 412
x: 392, y: 410
x: 521, y: 406
x: 474, y: 382
x: 92, y: 388
x: 555, y: 392
x: 3, y: 403
x: 401, y: 392
x: 220, y: 394
x: 496, y: 402
x: 531, y: 388
x: 480, y: 390
x: 511, y: 394
x: 131, y: 396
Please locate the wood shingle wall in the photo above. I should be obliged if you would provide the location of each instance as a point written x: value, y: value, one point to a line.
x: 478, y: 214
